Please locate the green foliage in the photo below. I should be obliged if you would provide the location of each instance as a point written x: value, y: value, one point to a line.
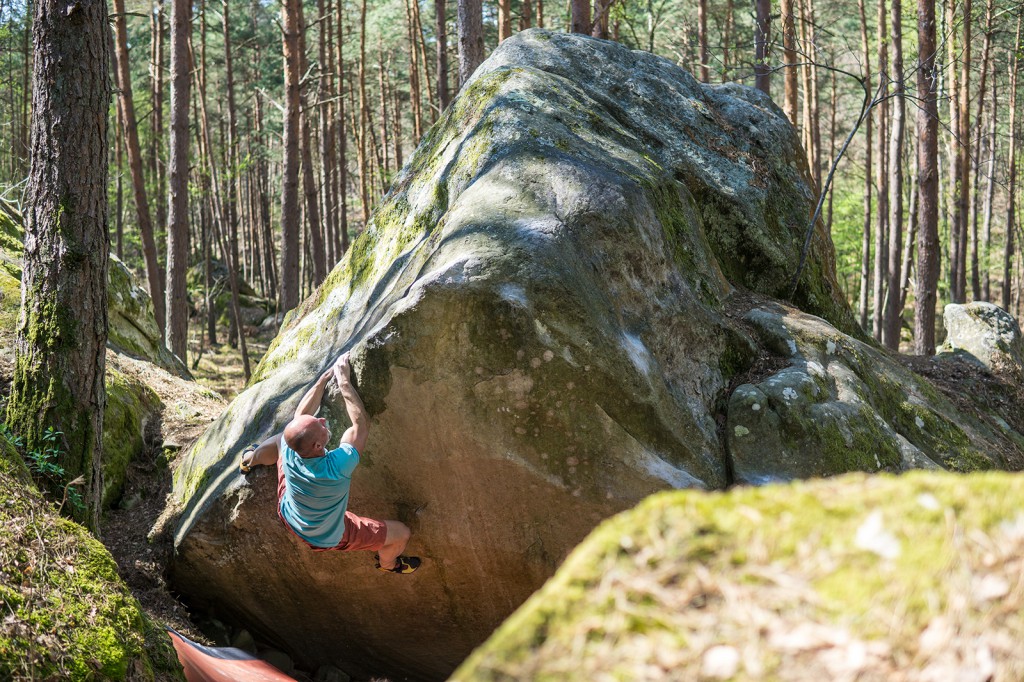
x: 44, y: 464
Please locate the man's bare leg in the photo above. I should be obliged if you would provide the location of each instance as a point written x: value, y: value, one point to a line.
x: 394, y: 543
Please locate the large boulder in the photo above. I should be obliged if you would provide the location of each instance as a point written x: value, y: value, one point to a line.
x: 547, y: 314
x: 851, y: 578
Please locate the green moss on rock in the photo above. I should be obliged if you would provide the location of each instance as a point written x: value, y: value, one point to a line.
x: 791, y: 577
x: 130, y: 404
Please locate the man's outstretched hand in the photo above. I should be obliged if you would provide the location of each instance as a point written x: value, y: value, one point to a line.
x: 342, y: 369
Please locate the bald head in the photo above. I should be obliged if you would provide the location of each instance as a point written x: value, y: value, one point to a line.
x: 307, y: 435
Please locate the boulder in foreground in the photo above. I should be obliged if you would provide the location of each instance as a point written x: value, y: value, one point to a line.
x: 869, y: 578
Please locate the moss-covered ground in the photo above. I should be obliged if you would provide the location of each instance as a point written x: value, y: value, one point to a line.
x: 66, y: 613
x: 868, y: 578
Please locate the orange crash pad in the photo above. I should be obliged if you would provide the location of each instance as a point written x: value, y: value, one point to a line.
x: 222, y: 664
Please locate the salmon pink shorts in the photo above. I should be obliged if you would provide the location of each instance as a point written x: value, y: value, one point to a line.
x: 360, y: 533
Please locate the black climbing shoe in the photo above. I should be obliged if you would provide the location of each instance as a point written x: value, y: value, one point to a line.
x: 403, y: 564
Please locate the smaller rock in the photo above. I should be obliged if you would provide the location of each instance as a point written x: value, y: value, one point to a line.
x: 279, y: 660
x: 986, y: 333
x: 328, y: 673
x: 243, y: 640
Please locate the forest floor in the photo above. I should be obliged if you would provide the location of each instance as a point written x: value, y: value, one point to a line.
x: 141, y: 555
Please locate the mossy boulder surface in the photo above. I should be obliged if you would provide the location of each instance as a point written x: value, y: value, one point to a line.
x: 840, y: 405
x: 67, y: 614
x: 855, y: 577
x: 986, y: 334
x: 544, y: 324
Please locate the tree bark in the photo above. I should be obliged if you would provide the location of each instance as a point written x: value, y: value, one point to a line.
x: 762, y: 37
x: 440, y: 17
x: 893, y: 314
x: 580, y: 16
x: 471, y: 38
x: 60, y: 348
x: 956, y: 240
x: 990, y: 192
x: 157, y: 168
x: 963, y: 158
x: 1011, y: 191
x: 362, y: 129
x: 314, y: 226
x: 702, y: 36
x: 342, y: 245
x: 177, y: 206
x: 928, y: 256
x: 290, y: 235
x: 504, y: 20
x: 865, y: 256
x: 982, y: 89
x: 880, y: 274
x: 789, y: 101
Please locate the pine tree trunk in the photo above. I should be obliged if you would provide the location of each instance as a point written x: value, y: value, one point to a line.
x: 471, y: 38
x: 441, y: 30
x: 176, y: 307
x: 60, y: 348
x: 990, y: 192
x: 963, y: 158
x: 290, y: 228
x: 789, y: 76
x: 982, y: 88
x: 314, y: 232
x: 154, y: 273
x: 880, y: 274
x: 414, y: 71
x: 505, y: 20
x: 893, y: 314
x: 702, y: 35
x: 762, y: 37
x: 342, y: 245
x: 157, y: 169
x: 925, y: 291
x: 1011, y: 190
x: 955, y: 160
x: 325, y: 96
x: 364, y: 121
x: 865, y: 255
x: 580, y: 16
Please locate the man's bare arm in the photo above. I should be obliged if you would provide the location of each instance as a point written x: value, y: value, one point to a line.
x: 310, y: 402
x: 356, y: 434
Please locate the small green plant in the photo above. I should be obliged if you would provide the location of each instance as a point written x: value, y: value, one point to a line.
x: 44, y: 463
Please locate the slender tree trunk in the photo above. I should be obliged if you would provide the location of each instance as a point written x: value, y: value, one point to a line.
x: 540, y: 13
x: 985, y: 54
x: 505, y: 20
x: 599, y: 27
x: 789, y: 101
x: 24, y: 152
x: 414, y: 71
x: 812, y: 95
x: 471, y: 38
x: 762, y: 38
x: 60, y: 348
x: 727, y: 37
x: 928, y: 254
x: 315, y: 229
x: 990, y: 192
x: 956, y: 238
x: 421, y: 42
x: 325, y: 96
x: 119, y: 200
x: 290, y: 228
x: 702, y: 36
x: 865, y: 260
x: 231, y: 174
x: 364, y: 120
x: 127, y: 110
x: 177, y: 207
x: 440, y: 16
x: 342, y: 245
x: 834, y: 101
x: 880, y: 274
x: 893, y: 315
x: 580, y: 14
x: 525, y: 14
x: 911, y: 236
x: 1011, y: 191
x: 963, y: 158
x: 157, y: 167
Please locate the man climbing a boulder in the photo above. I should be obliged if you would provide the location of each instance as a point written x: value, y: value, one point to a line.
x: 313, y: 482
